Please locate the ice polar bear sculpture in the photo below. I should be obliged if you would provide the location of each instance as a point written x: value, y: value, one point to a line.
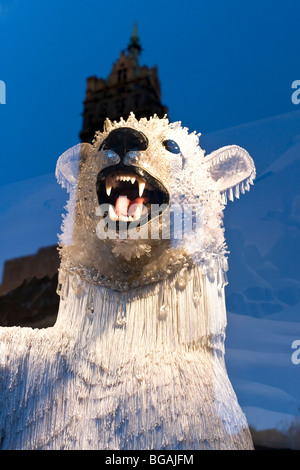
x: 136, y: 357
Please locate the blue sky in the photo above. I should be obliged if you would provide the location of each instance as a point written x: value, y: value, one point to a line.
x: 221, y: 63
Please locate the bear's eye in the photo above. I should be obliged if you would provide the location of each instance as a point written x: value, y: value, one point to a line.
x: 171, y: 146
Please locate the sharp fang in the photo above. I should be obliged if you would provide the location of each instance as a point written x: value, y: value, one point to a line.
x: 108, y: 188
x: 132, y: 180
x: 141, y: 188
x: 111, y: 213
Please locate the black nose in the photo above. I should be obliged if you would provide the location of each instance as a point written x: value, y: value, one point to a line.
x: 124, y: 140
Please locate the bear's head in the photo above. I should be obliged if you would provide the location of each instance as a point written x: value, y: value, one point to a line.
x: 146, y: 203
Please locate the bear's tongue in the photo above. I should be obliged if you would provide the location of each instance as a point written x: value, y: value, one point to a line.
x: 125, y: 207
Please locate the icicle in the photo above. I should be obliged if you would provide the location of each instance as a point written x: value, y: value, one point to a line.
x: 230, y: 194
x: 182, y: 279
x: 237, y: 191
x: 224, y: 197
x: 221, y: 279
x: 163, y: 312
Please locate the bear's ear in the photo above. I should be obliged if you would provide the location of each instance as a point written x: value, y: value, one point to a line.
x: 232, y: 169
x: 67, y: 167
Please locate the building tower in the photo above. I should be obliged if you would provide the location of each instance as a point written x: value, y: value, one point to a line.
x: 129, y: 88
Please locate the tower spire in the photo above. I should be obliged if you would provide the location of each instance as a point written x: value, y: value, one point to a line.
x: 134, y: 47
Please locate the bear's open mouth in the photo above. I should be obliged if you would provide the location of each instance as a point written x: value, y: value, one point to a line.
x: 132, y: 194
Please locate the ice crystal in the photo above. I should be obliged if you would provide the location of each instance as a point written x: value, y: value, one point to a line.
x: 130, y: 249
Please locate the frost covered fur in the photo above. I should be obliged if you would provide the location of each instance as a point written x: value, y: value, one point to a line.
x: 136, y: 357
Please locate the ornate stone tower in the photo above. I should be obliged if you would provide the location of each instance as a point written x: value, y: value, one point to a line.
x: 129, y: 87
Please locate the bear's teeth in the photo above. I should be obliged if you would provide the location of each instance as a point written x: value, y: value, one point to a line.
x: 142, y: 185
x: 108, y: 188
x: 111, y: 212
